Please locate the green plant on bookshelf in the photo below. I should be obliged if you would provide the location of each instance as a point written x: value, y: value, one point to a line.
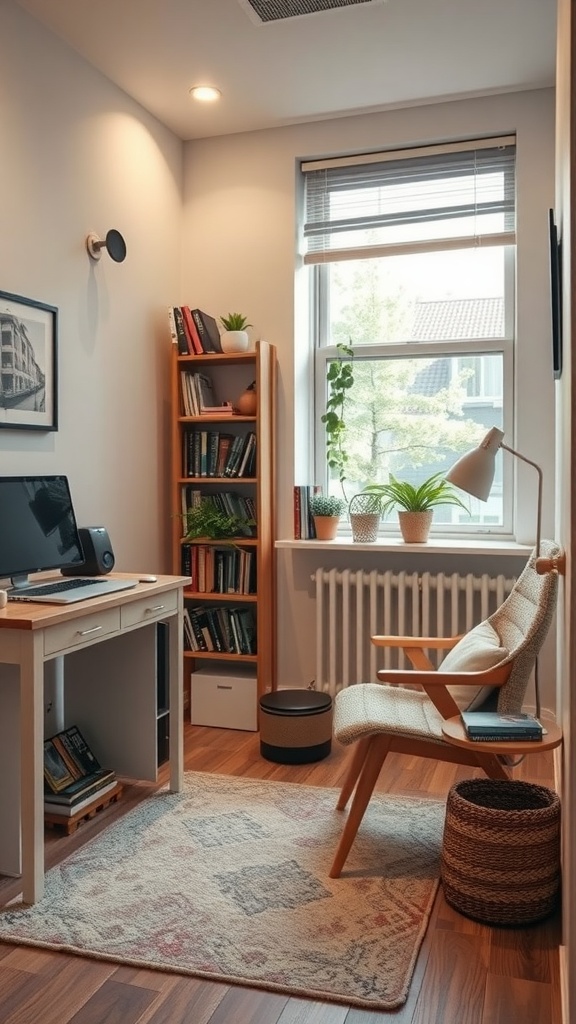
x: 235, y: 322
x: 206, y: 520
x: 235, y: 335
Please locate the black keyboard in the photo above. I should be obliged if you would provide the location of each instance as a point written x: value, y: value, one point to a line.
x: 54, y: 588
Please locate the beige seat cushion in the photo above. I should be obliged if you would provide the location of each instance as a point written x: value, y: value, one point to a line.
x: 478, y: 651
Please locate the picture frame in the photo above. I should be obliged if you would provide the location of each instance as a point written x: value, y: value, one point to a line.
x: 555, y: 295
x: 28, y: 364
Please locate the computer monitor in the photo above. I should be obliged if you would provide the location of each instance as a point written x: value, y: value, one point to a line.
x: 38, y: 528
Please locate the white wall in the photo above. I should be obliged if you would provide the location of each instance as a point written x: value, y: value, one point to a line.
x: 79, y: 156
x: 238, y: 253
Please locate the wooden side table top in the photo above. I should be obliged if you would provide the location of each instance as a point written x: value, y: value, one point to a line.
x: 453, y: 730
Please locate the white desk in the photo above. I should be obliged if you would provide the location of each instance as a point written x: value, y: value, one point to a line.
x: 109, y: 650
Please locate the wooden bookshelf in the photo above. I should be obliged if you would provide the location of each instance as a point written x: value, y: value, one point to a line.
x: 231, y: 373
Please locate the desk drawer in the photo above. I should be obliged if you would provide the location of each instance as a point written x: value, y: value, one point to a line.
x: 68, y: 635
x: 149, y: 609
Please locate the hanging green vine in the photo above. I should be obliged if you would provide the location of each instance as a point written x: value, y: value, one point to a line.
x: 340, y: 378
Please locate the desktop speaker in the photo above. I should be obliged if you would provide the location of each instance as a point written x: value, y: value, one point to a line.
x: 98, y: 554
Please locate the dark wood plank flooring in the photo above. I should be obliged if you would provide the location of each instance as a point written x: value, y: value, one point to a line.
x: 466, y: 973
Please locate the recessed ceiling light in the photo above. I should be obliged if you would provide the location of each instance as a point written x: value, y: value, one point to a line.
x: 205, y: 93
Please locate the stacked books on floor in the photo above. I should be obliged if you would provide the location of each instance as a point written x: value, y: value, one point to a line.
x: 489, y: 726
x: 73, y: 777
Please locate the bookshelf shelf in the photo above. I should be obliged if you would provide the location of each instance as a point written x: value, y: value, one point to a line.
x: 235, y: 622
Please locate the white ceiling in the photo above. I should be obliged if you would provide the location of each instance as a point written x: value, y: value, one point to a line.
x: 345, y: 61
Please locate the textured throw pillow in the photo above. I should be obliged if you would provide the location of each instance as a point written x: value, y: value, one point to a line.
x: 477, y: 651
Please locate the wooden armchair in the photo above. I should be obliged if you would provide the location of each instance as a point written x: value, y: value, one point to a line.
x: 489, y: 669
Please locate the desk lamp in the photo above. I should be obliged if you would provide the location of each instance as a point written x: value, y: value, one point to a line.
x: 474, y: 472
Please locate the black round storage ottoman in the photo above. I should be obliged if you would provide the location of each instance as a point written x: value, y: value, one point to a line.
x: 295, y: 726
x: 500, y: 861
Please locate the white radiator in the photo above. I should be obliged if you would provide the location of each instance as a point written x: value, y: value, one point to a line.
x: 352, y: 606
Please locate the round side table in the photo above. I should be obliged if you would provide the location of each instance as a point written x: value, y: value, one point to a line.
x: 454, y: 732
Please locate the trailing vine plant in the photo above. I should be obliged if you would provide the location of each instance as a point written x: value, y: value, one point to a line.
x: 340, y: 378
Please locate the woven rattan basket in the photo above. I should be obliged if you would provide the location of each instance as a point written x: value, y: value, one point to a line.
x: 500, y: 860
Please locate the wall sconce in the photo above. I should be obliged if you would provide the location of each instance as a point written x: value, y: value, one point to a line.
x: 113, y: 243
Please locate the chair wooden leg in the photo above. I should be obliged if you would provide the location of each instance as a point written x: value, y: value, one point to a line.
x: 377, y: 750
x: 492, y: 765
x: 356, y: 766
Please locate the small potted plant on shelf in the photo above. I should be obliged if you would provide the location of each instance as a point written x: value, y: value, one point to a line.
x: 206, y: 520
x: 235, y: 335
x: 415, y: 504
x: 326, y: 510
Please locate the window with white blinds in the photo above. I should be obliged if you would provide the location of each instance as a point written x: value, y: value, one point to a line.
x: 432, y: 198
x: 411, y: 263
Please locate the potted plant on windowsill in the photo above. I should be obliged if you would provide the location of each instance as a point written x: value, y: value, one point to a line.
x: 326, y: 511
x: 415, y: 504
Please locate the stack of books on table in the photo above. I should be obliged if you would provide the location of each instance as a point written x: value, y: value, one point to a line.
x: 490, y: 726
x: 73, y: 777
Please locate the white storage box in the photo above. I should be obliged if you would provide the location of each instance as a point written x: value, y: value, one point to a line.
x: 224, y: 698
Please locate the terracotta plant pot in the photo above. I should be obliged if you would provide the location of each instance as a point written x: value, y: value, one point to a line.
x: 415, y: 526
x: 326, y: 527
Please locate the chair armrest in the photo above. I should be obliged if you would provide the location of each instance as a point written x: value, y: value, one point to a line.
x: 438, y: 642
x: 489, y: 677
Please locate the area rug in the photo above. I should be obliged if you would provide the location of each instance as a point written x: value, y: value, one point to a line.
x: 228, y: 881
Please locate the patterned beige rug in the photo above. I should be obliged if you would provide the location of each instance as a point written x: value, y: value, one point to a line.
x: 229, y: 881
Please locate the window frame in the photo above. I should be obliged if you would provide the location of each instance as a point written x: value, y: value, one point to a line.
x: 506, y: 346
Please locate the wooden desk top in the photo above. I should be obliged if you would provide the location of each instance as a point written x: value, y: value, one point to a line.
x: 35, y: 615
x: 453, y: 730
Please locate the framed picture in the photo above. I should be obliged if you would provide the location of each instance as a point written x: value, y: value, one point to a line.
x: 555, y: 295
x: 28, y: 364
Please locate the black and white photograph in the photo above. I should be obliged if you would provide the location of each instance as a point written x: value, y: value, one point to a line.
x: 28, y: 365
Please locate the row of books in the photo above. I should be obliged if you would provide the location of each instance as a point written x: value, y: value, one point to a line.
x: 73, y: 776
x: 199, y: 397
x: 490, y: 726
x: 224, y: 630
x: 303, y: 521
x: 194, y: 332
x: 214, y: 453
x: 219, y: 570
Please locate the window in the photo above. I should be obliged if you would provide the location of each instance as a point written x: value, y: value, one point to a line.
x: 411, y: 259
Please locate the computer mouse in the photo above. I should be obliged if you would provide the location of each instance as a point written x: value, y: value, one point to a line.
x: 147, y: 579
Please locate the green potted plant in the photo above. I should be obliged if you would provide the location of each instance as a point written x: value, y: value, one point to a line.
x: 415, y: 503
x: 340, y: 379
x: 206, y: 520
x: 326, y: 510
x: 235, y: 335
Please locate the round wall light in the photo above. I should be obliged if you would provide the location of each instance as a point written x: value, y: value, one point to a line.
x: 205, y: 93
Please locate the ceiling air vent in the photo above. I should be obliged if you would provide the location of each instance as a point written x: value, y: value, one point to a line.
x: 264, y: 11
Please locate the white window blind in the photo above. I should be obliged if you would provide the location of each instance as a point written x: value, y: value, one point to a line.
x: 436, y: 198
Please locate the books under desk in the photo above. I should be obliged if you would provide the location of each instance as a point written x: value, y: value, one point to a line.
x: 74, y: 779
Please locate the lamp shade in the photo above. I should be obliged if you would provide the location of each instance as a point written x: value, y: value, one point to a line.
x: 474, y: 472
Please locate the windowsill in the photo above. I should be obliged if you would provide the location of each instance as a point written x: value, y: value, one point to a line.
x: 434, y: 546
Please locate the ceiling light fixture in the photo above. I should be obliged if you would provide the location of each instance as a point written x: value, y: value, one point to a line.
x: 205, y: 93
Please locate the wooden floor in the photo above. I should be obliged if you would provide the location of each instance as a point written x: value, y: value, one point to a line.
x: 466, y: 973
